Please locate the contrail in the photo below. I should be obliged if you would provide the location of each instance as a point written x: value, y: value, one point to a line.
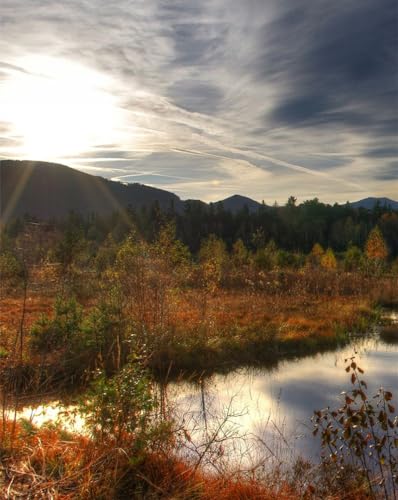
x: 275, y: 161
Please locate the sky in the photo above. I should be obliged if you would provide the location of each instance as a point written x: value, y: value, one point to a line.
x: 207, y: 98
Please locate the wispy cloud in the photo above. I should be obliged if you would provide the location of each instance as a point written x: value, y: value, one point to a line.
x: 216, y: 97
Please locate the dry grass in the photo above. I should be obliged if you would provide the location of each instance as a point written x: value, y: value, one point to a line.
x: 292, y: 318
x: 11, y: 307
x: 307, y: 313
x: 48, y: 463
x: 191, y: 330
x: 240, y: 316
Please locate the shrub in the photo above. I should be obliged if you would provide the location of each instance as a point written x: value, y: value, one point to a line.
x: 120, y: 405
x: 60, y: 331
x: 353, y: 258
x: 10, y: 268
x: 267, y: 258
x: 362, y: 436
x: 328, y: 260
x: 315, y: 256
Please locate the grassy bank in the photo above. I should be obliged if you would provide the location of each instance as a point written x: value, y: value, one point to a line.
x: 239, y: 327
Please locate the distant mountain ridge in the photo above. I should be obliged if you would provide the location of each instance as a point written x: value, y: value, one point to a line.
x: 370, y: 203
x: 47, y: 190
x: 237, y: 202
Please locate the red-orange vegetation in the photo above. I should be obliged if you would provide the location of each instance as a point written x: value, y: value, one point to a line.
x: 376, y: 248
x: 291, y: 315
x: 50, y: 463
x: 11, y: 308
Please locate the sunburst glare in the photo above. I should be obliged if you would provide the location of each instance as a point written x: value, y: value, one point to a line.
x: 58, y: 108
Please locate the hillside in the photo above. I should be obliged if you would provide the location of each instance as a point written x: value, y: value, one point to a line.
x: 49, y: 190
x: 46, y: 190
x: 237, y: 202
x: 370, y: 203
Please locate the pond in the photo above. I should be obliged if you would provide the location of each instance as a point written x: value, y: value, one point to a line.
x: 273, y: 408
x: 261, y: 411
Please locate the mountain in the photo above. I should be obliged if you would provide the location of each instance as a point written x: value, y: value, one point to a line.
x: 369, y: 203
x: 49, y: 190
x: 236, y: 203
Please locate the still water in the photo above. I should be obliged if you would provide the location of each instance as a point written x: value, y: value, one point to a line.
x: 262, y: 411
x: 274, y: 407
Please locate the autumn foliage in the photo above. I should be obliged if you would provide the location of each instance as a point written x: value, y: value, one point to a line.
x: 376, y: 248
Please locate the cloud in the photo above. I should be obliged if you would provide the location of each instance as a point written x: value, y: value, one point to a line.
x: 383, y: 152
x: 12, y: 67
x: 388, y: 172
x: 267, y: 99
x: 339, y: 62
x: 196, y: 96
x: 5, y: 127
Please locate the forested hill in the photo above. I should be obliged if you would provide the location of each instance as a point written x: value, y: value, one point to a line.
x: 236, y: 202
x: 370, y: 203
x: 48, y: 190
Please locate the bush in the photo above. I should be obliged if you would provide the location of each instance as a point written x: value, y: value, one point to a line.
x: 362, y: 436
x: 59, y: 332
x: 328, y: 259
x: 353, y: 258
x: 78, y: 342
x: 120, y: 405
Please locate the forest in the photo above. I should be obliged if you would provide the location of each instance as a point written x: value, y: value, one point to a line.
x: 292, y: 227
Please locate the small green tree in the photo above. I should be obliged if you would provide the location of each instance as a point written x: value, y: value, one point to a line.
x: 106, y: 254
x: 62, y: 331
x: 169, y: 249
x: 240, y: 254
x: 258, y: 238
x: 10, y: 268
x: 267, y: 258
x: 120, y: 407
x: 70, y: 246
x: 213, y: 259
x: 353, y: 258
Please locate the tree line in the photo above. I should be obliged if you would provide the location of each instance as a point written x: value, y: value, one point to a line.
x: 292, y: 228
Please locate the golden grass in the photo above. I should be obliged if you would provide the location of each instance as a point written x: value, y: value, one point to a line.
x: 292, y: 317
x: 47, y: 463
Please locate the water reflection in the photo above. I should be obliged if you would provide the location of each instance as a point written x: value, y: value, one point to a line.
x: 258, y: 414
x: 67, y: 416
x: 276, y: 406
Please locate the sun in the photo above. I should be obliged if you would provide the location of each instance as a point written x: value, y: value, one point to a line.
x: 57, y: 108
